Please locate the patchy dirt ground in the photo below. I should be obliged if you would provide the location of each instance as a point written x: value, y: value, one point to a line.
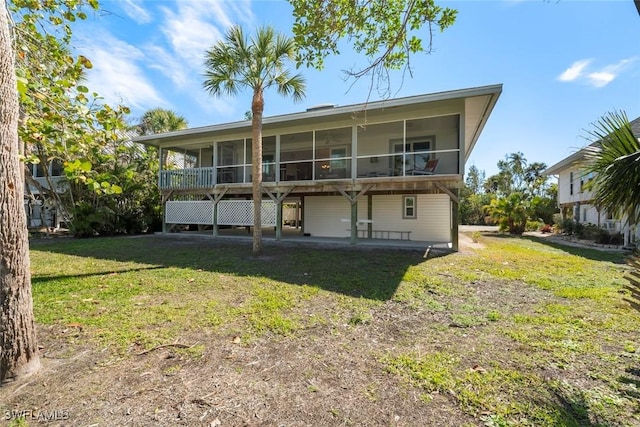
x: 326, y: 375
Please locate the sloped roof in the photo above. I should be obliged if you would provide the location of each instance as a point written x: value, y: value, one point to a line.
x: 579, y: 155
x: 479, y: 102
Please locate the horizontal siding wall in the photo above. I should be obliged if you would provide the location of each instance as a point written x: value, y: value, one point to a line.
x: 432, y: 222
x: 323, y: 216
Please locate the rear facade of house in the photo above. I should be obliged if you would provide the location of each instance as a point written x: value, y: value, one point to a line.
x: 383, y: 170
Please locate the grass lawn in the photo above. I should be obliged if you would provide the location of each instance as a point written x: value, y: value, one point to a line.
x: 158, y: 330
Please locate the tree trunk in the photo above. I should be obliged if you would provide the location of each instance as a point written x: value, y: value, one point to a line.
x: 257, y: 108
x: 18, y: 348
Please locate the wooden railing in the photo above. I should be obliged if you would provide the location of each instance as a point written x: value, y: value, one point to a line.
x: 187, y: 179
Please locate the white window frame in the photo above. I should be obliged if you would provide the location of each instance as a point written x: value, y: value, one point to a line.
x: 406, y: 207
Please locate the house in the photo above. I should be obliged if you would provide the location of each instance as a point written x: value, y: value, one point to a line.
x: 382, y: 170
x: 41, y: 210
x: 575, y: 198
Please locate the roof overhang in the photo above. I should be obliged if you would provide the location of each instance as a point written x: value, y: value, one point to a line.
x: 580, y: 156
x: 576, y: 158
x: 476, y: 106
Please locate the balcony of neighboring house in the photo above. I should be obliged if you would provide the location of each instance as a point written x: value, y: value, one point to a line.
x: 52, y: 178
x: 403, y: 150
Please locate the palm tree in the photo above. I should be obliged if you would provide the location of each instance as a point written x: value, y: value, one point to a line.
x: 517, y: 164
x: 258, y: 64
x: 510, y: 212
x: 159, y: 120
x: 615, y: 162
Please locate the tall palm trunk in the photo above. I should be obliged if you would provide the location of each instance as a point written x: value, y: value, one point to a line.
x: 257, y: 108
x: 18, y: 348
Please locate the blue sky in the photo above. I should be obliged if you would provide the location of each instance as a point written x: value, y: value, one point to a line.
x: 563, y: 65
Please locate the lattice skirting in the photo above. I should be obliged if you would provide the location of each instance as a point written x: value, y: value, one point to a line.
x: 230, y: 212
x: 183, y: 212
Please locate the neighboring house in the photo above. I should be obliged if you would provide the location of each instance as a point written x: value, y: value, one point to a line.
x: 41, y: 211
x: 574, y: 199
x: 382, y: 170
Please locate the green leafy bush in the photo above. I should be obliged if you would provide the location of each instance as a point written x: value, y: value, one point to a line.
x: 534, y: 225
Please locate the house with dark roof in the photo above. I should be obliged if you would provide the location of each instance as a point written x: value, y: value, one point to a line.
x: 389, y: 169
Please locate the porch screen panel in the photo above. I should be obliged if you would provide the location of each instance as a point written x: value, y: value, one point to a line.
x: 375, y: 156
x: 186, y: 212
x: 240, y: 213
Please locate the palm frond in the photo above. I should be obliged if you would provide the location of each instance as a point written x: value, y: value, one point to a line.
x: 614, y: 159
x: 259, y: 62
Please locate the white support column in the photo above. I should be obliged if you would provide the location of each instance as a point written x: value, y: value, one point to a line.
x: 354, y: 152
x: 461, y: 138
x: 277, y: 166
x: 215, y: 162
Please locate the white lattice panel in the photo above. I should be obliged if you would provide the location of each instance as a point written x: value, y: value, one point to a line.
x: 240, y: 212
x: 182, y: 212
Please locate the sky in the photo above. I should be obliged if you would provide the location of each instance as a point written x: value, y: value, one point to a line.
x: 563, y: 65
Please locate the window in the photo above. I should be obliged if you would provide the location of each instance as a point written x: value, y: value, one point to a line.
x: 571, y: 183
x: 409, y: 207
x: 416, y: 154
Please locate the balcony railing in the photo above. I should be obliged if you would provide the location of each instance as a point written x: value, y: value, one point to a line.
x: 58, y: 183
x: 391, y: 166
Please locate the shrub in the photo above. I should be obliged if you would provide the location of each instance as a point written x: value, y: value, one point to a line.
x: 546, y: 228
x: 568, y: 226
x: 616, y: 239
x: 533, y: 225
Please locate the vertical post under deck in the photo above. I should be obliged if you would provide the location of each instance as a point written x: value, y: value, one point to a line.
x: 215, y: 218
x: 279, y: 218
x: 164, y: 216
x: 369, y: 215
x: 454, y: 222
x: 354, y: 218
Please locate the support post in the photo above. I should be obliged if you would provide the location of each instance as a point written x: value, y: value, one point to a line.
x: 164, y: 217
x: 454, y: 221
x: 278, y: 198
x: 279, y: 218
x: 215, y: 219
x: 164, y: 199
x: 370, y: 215
x: 216, y: 199
x: 354, y: 218
x: 302, y: 223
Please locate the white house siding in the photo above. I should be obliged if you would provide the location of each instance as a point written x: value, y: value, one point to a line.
x: 432, y: 222
x: 323, y: 216
x: 564, y: 186
x: 589, y: 214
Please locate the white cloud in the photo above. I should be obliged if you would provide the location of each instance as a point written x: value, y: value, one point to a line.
x: 190, y: 29
x: 135, y: 11
x: 574, y: 71
x: 607, y: 74
x: 116, y: 74
x: 600, y: 79
x: 597, y: 78
x: 165, y: 62
x: 193, y: 27
x: 132, y: 75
